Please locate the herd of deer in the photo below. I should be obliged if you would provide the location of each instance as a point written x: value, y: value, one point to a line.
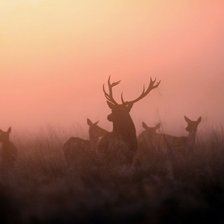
x: 123, y: 138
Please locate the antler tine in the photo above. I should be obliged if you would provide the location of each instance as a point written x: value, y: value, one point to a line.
x: 152, y: 85
x: 122, y: 99
x: 109, y: 96
x: 145, y: 92
x: 105, y: 93
x: 152, y: 82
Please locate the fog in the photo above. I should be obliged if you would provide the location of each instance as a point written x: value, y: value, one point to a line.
x: 55, y: 56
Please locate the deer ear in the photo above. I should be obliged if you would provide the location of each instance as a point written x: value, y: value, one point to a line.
x: 187, y: 119
x: 111, y: 105
x: 199, y: 120
x: 9, y: 130
x: 96, y: 122
x: 89, y: 122
x: 144, y: 125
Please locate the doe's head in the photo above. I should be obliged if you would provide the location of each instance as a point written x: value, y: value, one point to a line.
x: 95, y: 131
x: 4, y: 135
x: 192, y: 126
x: 151, y: 130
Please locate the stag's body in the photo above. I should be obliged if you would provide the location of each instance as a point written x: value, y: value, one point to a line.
x: 76, y: 147
x: 123, y: 133
x: 8, y: 150
x: 123, y: 138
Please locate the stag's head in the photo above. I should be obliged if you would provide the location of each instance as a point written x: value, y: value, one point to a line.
x: 120, y: 112
x: 192, y: 125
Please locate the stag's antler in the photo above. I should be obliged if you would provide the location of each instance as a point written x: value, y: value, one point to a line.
x: 152, y: 85
x: 109, y: 96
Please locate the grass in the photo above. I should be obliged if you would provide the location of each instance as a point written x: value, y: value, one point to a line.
x: 187, y: 188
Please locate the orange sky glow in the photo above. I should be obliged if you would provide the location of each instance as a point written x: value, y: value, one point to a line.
x: 55, y: 56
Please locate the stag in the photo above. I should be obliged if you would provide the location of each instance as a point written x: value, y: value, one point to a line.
x: 77, y: 147
x: 8, y: 149
x: 124, y: 132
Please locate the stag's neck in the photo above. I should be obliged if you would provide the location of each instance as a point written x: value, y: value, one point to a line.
x: 127, y: 132
x: 124, y: 129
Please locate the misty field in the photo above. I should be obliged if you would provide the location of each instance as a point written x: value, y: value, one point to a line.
x: 185, y: 188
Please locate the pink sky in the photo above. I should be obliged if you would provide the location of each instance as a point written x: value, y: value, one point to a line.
x: 55, y: 56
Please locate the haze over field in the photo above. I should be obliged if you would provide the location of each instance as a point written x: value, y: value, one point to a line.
x: 55, y: 56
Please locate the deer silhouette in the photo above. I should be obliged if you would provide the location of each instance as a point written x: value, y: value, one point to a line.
x: 123, y: 134
x: 172, y: 143
x: 78, y: 147
x: 8, y: 149
x: 146, y: 137
x: 184, y: 142
x: 95, y: 133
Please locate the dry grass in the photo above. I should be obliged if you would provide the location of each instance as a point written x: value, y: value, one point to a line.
x: 184, y: 188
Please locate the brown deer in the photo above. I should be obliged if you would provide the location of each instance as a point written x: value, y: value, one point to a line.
x: 145, y: 139
x: 183, y: 142
x: 8, y: 149
x: 75, y: 146
x: 173, y: 144
x: 124, y: 132
x: 155, y: 146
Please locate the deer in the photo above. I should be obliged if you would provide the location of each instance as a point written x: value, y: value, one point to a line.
x: 75, y: 146
x: 8, y: 149
x: 123, y: 134
x: 176, y: 143
x: 147, y: 150
x: 145, y: 138
x: 172, y: 149
x: 183, y: 143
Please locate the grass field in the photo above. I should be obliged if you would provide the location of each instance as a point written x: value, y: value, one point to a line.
x: 187, y: 188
